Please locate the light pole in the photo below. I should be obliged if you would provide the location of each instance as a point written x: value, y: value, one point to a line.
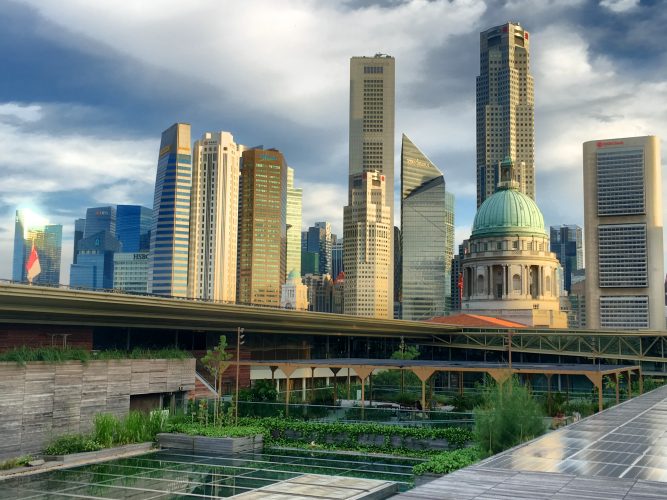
x: 239, y: 338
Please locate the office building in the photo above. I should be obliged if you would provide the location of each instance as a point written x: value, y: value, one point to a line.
x: 456, y: 282
x: 398, y: 274
x: 79, y: 229
x: 367, y: 253
x: 133, y: 227
x: 567, y: 242
x: 319, y: 240
x: 130, y: 272
x: 427, y: 226
x: 214, y: 217
x: 337, y: 266
x: 320, y: 292
x: 505, y: 109
x: 262, y: 222
x: 29, y: 230
x: 510, y: 272
x: 170, y: 230
x: 372, y: 110
x: 94, y: 268
x: 99, y: 219
x: 294, y: 203
x: 623, y: 233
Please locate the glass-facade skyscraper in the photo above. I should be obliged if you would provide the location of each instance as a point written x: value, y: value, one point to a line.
x: 47, y: 238
x: 168, y: 266
x: 319, y: 241
x: 94, y: 263
x: 133, y: 227
x: 427, y: 229
x: 567, y: 243
x: 262, y: 227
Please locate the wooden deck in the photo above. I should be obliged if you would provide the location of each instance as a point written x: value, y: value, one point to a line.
x: 618, y: 454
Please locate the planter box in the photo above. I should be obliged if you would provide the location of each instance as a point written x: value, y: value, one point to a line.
x: 100, y: 454
x: 225, y: 446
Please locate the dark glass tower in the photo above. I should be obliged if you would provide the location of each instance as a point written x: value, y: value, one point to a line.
x: 133, y: 226
x: 567, y: 243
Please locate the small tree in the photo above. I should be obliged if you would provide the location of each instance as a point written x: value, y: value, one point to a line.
x: 216, y: 361
x: 508, y: 416
x: 405, y: 352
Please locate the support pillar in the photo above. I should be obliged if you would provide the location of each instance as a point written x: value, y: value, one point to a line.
x: 424, y: 373
x: 288, y: 370
x: 363, y: 372
x: 335, y: 371
x: 618, y: 388
x: 641, y: 382
x: 629, y: 384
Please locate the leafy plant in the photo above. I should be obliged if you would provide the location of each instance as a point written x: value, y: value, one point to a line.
x: 216, y: 361
x: 12, y: 463
x: 218, y: 431
x: 448, y: 461
x: 106, y: 428
x: 75, y: 443
x: 509, y: 416
x: 25, y: 354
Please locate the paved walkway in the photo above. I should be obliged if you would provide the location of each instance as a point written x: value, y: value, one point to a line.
x: 620, y: 453
x: 318, y: 487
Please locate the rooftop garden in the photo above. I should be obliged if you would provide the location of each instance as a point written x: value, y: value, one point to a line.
x: 24, y: 354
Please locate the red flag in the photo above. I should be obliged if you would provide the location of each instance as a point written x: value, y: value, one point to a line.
x: 460, y: 286
x: 32, y: 266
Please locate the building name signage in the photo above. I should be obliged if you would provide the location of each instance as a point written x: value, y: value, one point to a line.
x: 602, y: 144
x: 140, y: 256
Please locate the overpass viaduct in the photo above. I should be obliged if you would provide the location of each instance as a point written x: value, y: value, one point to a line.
x: 119, y: 320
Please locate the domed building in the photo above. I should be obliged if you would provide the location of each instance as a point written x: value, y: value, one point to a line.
x: 509, y: 271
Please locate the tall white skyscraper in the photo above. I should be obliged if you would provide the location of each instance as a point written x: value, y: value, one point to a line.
x: 367, y: 255
x: 505, y: 109
x: 623, y: 234
x: 372, y: 109
x: 214, y: 217
x: 293, y: 221
x: 168, y: 266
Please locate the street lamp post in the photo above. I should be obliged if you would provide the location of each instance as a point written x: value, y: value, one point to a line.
x: 239, y: 338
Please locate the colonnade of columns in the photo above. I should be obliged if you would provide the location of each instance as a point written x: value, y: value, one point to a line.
x: 500, y: 277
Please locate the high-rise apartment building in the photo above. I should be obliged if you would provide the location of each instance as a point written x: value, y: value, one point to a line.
x: 319, y: 240
x: 427, y: 226
x: 623, y: 233
x: 567, y: 243
x: 262, y: 223
x: 505, y: 109
x: 168, y: 266
x: 30, y: 230
x: 372, y: 110
x: 214, y: 217
x: 294, y: 203
x: 367, y: 253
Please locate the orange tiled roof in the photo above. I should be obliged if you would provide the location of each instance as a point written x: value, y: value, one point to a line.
x: 475, y: 320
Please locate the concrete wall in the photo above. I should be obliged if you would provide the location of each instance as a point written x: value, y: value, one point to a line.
x: 40, y: 401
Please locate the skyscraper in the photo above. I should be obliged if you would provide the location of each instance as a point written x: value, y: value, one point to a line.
x: 427, y: 224
x: 214, y: 217
x: 623, y: 233
x: 372, y: 109
x: 133, y: 227
x: 168, y: 266
x: 94, y: 260
x: 30, y: 229
x: 567, y: 243
x: 367, y: 253
x: 294, y: 201
x: 262, y: 222
x: 79, y: 229
x: 337, y: 258
x: 318, y: 240
x: 505, y: 109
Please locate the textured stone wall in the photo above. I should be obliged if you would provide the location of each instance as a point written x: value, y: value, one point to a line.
x: 40, y: 401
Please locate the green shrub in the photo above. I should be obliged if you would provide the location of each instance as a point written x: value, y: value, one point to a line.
x: 12, y: 463
x: 218, y: 431
x: 75, y: 443
x: 25, y: 354
x: 448, y: 461
x: 509, y: 416
x: 261, y: 390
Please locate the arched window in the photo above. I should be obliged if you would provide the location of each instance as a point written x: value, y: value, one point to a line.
x: 516, y: 283
x: 480, y: 283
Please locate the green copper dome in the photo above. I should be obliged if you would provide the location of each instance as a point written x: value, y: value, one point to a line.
x: 508, y: 212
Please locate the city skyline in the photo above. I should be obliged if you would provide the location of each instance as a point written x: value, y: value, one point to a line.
x: 126, y: 156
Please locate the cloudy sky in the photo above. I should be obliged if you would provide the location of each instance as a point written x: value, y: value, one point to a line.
x: 86, y: 88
